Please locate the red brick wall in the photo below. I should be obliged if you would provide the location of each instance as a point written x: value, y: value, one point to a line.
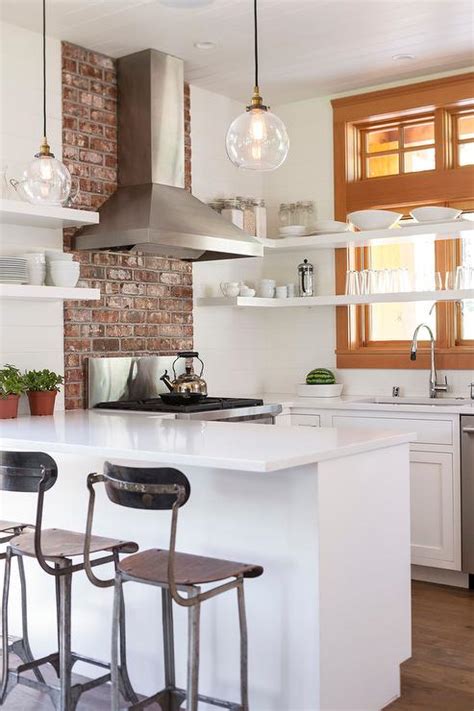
x: 146, y: 301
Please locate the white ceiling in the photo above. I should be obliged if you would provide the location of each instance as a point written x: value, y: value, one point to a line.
x: 307, y: 47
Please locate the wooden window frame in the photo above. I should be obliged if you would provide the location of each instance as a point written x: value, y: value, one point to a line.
x: 455, y: 134
x: 447, y: 183
x: 363, y: 130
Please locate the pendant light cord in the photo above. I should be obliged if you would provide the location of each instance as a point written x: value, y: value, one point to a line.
x: 44, y: 68
x: 255, y: 28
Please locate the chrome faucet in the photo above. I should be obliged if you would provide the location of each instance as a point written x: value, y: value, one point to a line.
x: 435, y: 387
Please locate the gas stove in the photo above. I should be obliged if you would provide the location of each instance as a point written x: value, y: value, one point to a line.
x: 210, y: 408
x: 133, y: 384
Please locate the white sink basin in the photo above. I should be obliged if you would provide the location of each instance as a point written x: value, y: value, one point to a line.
x: 436, y: 402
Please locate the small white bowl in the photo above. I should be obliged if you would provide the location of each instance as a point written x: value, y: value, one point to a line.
x: 434, y: 213
x: 63, y: 279
x: 374, y: 219
x: 55, y: 255
x: 293, y: 231
x: 247, y: 292
x: 322, y: 226
x: 305, y: 390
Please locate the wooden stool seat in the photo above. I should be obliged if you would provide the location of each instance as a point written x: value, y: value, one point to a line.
x: 10, y: 526
x: 57, y: 543
x: 152, y: 566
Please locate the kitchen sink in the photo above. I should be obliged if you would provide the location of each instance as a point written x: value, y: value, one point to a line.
x: 446, y: 401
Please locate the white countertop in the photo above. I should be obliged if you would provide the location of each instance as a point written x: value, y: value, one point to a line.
x: 359, y: 402
x: 153, y: 439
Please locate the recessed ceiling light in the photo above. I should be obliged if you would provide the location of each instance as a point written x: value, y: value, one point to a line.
x: 403, y: 57
x: 205, y: 45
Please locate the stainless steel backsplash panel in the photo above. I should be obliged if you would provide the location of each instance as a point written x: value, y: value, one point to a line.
x: 128, y: 378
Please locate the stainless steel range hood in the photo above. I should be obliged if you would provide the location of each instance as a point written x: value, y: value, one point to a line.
x: 151, y: 211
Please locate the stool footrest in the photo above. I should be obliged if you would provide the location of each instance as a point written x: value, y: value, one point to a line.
x: 49, y: 659
x: 181, y: 696
x: 90, y: 660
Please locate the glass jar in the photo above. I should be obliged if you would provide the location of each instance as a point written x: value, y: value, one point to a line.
x: 306, y: 213
x: 260, y: 212
x: 293, y: 216
x: 284, y: 214
x: 232, y: 211
x: 246, y: 205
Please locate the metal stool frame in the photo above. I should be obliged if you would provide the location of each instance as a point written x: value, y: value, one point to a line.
x: 19, y: 645
x: 171, y: 494
x: 37, y: 476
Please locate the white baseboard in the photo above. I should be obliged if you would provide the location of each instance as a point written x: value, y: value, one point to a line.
x: 440, y: 576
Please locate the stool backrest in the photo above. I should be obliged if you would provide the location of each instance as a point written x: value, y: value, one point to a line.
x: 145, y: 488
x: 24, y: 471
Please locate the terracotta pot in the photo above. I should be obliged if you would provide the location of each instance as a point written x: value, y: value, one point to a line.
x: 42, y: 401
x: 9, y: 407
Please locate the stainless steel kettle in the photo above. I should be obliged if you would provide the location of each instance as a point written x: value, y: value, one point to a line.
x: 188, y: 382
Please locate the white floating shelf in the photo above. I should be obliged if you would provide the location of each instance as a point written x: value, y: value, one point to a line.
x: 337, y: 300
x: 48, y: 293
x: 16, y: 212
x: 410, y: 232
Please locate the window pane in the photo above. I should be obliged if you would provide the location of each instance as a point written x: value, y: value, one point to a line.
x: 382, y: 140
x: 419, y: 160
x: 397, y: 322
x: 466, y: 126
x: 382, y: 165
x: 466, y: 153
x: 420, y: 134
x: 467, y: 306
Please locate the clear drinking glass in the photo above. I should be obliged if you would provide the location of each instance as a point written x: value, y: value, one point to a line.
x: 352, y: 282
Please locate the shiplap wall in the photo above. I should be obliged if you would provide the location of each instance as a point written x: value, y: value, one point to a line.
x: 31, y: 334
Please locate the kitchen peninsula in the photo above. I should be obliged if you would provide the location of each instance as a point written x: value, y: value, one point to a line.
x: 325, y: 511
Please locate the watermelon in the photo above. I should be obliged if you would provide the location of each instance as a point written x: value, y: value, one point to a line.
x: 320, y: 376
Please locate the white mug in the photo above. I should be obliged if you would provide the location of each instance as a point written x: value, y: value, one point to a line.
x: 230, y: 288
x: 282, y: 292
x: 291, y: 289
x: 267, y: 293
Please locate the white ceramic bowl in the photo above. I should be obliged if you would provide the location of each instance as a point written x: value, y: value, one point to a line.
x: 63, y: 268
x: 36, y: 258
x: 61, y: 278
x: 374, y: 219
x: 55, y: 255
x: 433, y: 213
x: 293, y: 230
x: 305, y: 390
x: 329, y: 226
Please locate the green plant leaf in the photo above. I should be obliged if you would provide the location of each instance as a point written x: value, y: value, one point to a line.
x: 42, y: 380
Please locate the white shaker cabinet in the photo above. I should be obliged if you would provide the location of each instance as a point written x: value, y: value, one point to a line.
x: 433, y: 515
x: 435, y: 475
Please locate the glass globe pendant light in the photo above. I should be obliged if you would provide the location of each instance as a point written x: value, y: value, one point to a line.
x: 46, y: 181
x: 257, y: 139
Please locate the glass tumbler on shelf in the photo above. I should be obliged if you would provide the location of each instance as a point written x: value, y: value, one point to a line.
x: 352, y: 282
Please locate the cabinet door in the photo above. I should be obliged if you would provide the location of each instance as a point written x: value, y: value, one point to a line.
x: 433, y: 514
x: 307, y: 420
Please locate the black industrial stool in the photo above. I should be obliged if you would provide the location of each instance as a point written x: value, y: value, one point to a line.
x: 37, y: 472
x: 163, y: 488
x: 18, y: 646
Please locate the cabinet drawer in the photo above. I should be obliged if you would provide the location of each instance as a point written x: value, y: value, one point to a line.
x: 308, y: 420
x: 428, y: 431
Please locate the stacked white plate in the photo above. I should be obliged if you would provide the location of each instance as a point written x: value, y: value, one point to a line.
x: 13, y: 270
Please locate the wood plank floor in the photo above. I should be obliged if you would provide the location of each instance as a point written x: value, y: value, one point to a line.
x: 439, y: 676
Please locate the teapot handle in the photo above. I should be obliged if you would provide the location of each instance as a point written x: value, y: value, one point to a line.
x: 14, y: 183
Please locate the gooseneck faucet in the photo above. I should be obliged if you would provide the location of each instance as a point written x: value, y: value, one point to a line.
x: 435, y: 387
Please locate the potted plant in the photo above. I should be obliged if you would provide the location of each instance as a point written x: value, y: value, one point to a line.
x: 12, y: 385
x: 42, y: 386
